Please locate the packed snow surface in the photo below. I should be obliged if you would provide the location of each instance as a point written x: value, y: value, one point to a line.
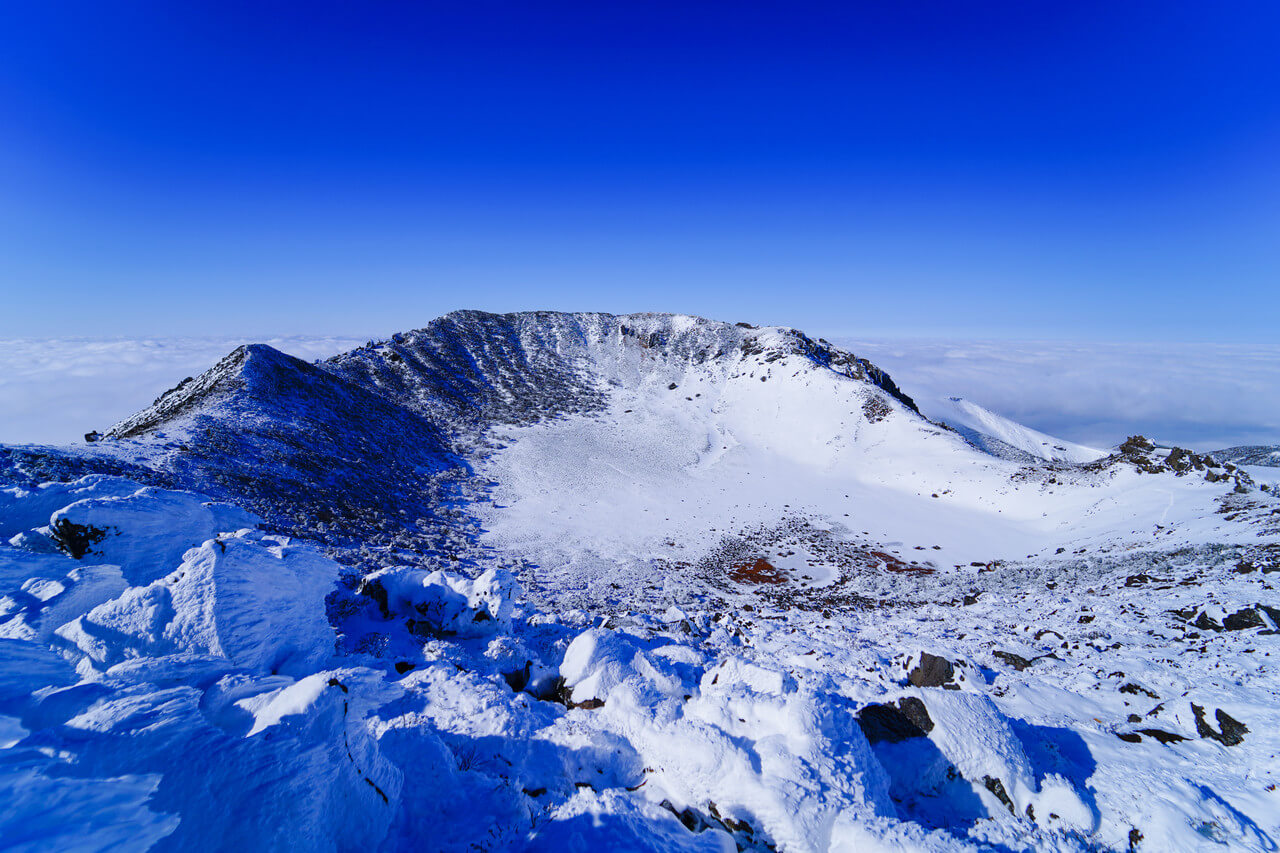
x: 686, y: 586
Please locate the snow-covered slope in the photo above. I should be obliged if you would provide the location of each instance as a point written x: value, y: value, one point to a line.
x: 1002, y: 437
x: 649, y: 582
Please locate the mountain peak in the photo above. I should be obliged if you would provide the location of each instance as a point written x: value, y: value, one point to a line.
x: 246, y: 367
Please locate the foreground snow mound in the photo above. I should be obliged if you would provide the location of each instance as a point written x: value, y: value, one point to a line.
x: 444, y: 603
x: 196, y: 711
x: 251, y: 696
x: 22, y: 509
x: 143, y: 530
x: 252, y: 599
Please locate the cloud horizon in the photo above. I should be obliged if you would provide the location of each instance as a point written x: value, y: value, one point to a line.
x: 1205, y: 396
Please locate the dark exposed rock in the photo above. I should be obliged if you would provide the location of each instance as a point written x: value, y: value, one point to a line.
x: 1205, y: 623
x: 731, y: 825
x: 1134, y: 689
x: 692, y: 820
x: 1230, y: 731
x: 875, y: 409
x: 1137, y: 444
x: 995, y: 786
x: 932, y: 671
x: 1244, y: 619
x: 893, y: 723
x: 374, y: 589
x: 1164, y: 737
x: 76, y: 539
x: 563, y: 694
x: 403, y: 666
x: 1018, y: 662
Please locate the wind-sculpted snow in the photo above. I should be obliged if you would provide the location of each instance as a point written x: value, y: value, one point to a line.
x: 641, y: 582
x: 130, y: 705
x: 444, y: 603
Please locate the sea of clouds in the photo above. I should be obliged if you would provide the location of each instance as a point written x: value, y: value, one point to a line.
x: 53, y: 391
x: 1203, y: 396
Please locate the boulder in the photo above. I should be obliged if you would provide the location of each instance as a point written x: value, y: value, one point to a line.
x: 907, y: 718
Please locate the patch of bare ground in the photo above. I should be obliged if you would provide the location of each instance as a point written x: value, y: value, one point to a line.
x: 756, y: 571
x: 833, y: 560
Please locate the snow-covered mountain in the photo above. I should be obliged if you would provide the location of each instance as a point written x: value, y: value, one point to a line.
x: 652, y: 582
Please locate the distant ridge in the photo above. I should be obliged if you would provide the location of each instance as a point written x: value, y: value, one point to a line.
x: 1008, y: 439
x: 1265, y: 455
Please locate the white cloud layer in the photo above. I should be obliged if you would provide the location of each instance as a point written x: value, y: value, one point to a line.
x: 53, y: 391
x: 1203, y: 396
x: 1199, y: 395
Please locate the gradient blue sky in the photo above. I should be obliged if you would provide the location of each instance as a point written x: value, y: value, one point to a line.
x: 1079, y: 170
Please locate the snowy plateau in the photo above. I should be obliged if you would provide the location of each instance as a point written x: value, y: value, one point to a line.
x: 648, y: 582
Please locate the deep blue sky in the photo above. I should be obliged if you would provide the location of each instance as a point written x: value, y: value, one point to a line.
x: 1087, y: 170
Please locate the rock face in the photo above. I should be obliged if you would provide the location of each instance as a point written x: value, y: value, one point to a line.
x: 1148, y: 458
